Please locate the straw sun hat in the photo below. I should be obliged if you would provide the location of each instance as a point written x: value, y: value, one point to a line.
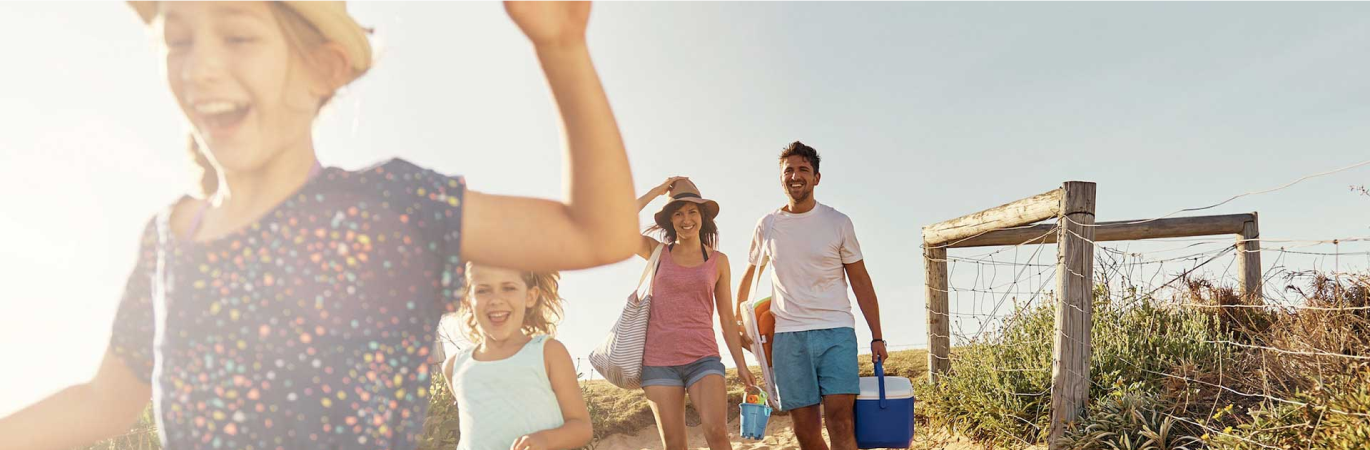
x: 684, y: 191
x: 330, y: 18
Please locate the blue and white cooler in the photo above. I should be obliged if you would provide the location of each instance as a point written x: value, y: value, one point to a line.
x: 884, y: 411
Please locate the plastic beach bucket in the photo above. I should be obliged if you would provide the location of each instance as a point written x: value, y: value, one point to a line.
x: 754, y: 418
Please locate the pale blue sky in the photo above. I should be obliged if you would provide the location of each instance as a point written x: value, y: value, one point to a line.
x: 922, y: 112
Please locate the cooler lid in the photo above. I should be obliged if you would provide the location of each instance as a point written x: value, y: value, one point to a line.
x: 895, y: 388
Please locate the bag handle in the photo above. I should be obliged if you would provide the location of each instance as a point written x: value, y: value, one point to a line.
x: 756, y: 286
x: 745, y: 319
x: 756, y: 279
x: 649, y: 273
x: 769, y: 223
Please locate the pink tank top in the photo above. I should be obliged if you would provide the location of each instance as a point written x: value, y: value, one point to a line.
x: 681, y: 325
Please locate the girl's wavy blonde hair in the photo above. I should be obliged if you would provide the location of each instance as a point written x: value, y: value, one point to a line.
x: 541, y: 318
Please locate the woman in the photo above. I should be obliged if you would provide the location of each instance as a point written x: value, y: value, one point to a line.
x: 692, y: 282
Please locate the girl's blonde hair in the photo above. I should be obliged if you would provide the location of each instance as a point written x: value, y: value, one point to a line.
x: 541, y: 318
x: 303, y: 38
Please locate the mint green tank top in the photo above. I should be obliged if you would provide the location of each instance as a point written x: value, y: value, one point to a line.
x: 500, y: 401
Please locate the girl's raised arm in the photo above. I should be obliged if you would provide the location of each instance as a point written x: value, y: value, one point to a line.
x: 597, y: 223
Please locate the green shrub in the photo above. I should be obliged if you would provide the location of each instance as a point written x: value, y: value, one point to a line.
x: 1129, y: 418
x: 998, y: 391
x: 440, y: 427
x: 1333, y: 416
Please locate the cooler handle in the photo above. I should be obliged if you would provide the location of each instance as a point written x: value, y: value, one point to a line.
x: 880, y: 378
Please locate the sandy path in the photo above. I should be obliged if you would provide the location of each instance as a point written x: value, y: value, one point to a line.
x: 779, y: 435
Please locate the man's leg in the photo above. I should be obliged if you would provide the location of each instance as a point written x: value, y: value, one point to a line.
x: 838, y: 415
x: 808, y: 428
x: 838, y: 381
x: 796, y: 384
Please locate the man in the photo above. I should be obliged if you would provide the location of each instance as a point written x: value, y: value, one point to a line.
x: 814, y: 252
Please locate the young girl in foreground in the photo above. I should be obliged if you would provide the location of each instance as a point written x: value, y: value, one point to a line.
x: 516, y: 387
x: 292, y: 305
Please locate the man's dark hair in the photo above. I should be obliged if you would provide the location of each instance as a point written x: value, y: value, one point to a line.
x: 798, y: 148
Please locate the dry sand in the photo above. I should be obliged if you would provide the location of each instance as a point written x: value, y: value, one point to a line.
x: 779, y: 435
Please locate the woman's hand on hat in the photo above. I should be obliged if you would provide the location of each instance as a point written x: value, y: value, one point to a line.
x: 550, y: 24
x: 657, y: 191
x: 666, y: 186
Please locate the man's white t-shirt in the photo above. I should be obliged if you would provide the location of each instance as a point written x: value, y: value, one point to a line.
x: 807, y: 253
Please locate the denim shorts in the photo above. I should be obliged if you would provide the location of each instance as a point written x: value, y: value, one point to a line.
x: 815, y: 363
x: 684, y: 375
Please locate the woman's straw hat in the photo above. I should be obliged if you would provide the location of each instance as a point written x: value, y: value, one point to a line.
x: 684, y: 191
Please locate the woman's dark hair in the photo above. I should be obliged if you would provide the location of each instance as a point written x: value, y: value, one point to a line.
x: 708, y: 231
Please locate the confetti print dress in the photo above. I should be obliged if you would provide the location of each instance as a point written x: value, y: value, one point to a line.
x: 307, y: 329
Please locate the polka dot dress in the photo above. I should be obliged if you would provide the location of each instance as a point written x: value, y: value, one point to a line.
x: 309, y: 328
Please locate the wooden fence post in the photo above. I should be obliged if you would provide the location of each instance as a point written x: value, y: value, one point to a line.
x: 1249, y: 260
x: 939, y: 327
x: 1074, y: 306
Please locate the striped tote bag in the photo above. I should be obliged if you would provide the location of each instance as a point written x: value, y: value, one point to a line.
x: 619, y: 357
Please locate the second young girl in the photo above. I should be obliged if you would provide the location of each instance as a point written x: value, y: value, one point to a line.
x: 516, y: 387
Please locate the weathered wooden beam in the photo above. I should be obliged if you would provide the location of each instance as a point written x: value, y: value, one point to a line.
x: 1022, y: 212
x: 1123, y: 230
x: 939, y: 324
x: 1249, y: 260
x: 1074, y: 308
